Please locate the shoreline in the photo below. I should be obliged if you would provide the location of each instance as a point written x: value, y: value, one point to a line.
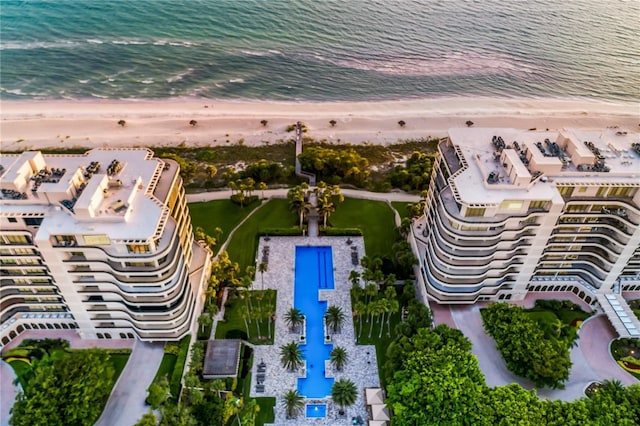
x: 37, y: 124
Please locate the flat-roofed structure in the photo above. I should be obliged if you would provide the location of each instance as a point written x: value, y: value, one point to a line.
x: 513, y: 211
x: 99, y: 242
x: 222, y: 358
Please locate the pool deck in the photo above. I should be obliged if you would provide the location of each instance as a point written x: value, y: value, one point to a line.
x: 362, y: 365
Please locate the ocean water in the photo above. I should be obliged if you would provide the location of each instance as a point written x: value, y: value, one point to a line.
x: 319, y: 50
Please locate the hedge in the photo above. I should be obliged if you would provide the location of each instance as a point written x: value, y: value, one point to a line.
x: 346, y: 232
x: 280, y: 232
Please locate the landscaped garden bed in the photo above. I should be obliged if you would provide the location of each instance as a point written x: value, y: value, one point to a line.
x: 626, y: 352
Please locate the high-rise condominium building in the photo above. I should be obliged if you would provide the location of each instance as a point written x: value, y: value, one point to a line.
x: 510, y: 212
x: 99, y: 242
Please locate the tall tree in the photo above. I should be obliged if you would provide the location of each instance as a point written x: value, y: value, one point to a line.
x: 69, y: 390
x: 344, y: 393
x: 262, y: 268
x: 360, y: 309
x: 291, y: 356
x: 334, y: 318
x: 294, y: 318
x: 293, y: 403
x: 338, y: 358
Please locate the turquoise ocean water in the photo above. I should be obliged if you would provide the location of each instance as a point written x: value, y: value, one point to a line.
x: 319, y: 50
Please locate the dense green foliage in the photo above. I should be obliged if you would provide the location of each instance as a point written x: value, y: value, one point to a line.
x: 435, y: 381
x: 335, y: 165
x: 528, y: 351
x: 66, y: 388
x: 415, y: 175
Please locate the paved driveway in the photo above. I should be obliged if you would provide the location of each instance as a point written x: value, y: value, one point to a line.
x: 591, y: 359
x: 8, y: 391
x: 126, y: 404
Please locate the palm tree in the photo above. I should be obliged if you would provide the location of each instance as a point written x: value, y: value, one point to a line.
x: 262, y: 268
x: 291, y: 356
x: 333, y: 123
x: 297, y: 203
x: 374, y: 308
x: 334, y: 318
x: 360, y: 309
x: 293, y: 403
x: 394, y: 308
x: 384, y: 308
x: 264, y: 123
x: 371, y: 291
x: 261, y: 187
x: 401, y: 123
x: 325, y: 208
x: 205, y: 321
x: 193, y: 123
x: 294, y: 318
x: 338, y: 358
x: 354, y: 279
x: 122, y: 123
x: 344, y: 393
x: 244, y: 313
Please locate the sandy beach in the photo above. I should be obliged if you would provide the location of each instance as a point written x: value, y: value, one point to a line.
x: 87, y: 123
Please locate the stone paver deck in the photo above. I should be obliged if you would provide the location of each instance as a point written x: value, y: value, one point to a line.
x: 362, y: 365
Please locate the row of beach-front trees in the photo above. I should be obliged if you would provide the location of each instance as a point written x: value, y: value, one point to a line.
x: 327, y: 198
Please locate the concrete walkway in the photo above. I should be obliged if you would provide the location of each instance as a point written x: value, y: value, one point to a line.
x: 282, y: 193
x: 8, y: 392
x: 590, y: 359
x: 126, y: 404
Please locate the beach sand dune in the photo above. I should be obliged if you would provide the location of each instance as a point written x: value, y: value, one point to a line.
x: 86, y: 123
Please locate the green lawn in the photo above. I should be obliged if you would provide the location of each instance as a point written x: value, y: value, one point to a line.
x: 21, y: 369
x: 266, y: 413
x: 221, y: 214
x: 167, y: 365
x: 402, y: 208
x: 381, y: 344
x: 243, y: 245
x: 374, y: 218
x: 233, y: 325
x: 178, y: 368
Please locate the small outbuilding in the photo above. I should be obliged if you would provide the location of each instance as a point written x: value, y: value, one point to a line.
x: 222, y: 358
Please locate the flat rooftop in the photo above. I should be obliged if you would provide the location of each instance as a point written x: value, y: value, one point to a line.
x: 492, y: 173
x: 222, y: 358
x: 104, y: 191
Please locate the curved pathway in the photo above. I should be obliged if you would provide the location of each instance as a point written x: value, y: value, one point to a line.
x: 282, y: 193
x: 594, y: 332
x: 8, y: 392
x: 126, y: 403
x: 590, y: 359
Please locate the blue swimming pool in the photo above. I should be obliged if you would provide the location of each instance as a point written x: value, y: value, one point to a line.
x: 317, y: 410
x: 313, y: 272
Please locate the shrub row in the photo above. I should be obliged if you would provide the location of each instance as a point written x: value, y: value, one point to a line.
x: 346, y: 232
x: 280, y: 232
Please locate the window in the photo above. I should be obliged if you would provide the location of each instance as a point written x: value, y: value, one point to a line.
x: 601, y: 191
x: 510, y: 205
x: 475, y: 211
x: 620, y: 191
x: 577, y: 208
x: 33, y: 221
x: 582, y: 189
x: 565, y: 191
x: 17, y: 239
x: 138, y: 248
x: 538, y: 204
x: 13, y: 220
